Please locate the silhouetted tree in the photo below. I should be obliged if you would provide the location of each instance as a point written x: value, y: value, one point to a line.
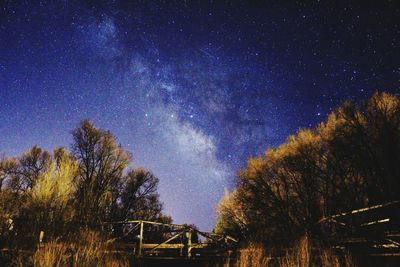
x: 139, y: 198
x: 347, y: 162
x: 7, y: 169
x: 59, y: 192
x: 29, y: 167
x: 101, y: 165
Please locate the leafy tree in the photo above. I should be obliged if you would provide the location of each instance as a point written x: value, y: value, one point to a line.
x: 367, y: 138
x: 48, y: 205
x: 60, y: 192
x: 347, y: 162
x: 232, y: 220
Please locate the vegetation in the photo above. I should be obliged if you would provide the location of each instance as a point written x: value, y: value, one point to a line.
x: 91, y: 251
x: 301, y: 255
x: 347, y: 162
x: 66, y: 192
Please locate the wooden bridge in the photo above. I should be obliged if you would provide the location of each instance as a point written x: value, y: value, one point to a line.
x: 146, y: 239
x: 373, y: 230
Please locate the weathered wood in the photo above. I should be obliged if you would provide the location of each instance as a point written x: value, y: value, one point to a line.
x: 141, y: 238
x: 373, y: 230
x: 149, y: 222
x: 375, y: 222
x: 167, y: 241
x: 218, y: 247
x: 161, y: 246
x: 189, y: 237
x: 343, y: 214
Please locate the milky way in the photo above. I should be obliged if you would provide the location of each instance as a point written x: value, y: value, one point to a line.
x: 191, y: 89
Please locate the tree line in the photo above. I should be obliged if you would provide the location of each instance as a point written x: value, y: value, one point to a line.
x: 71, y: 189
x: 349, y: 161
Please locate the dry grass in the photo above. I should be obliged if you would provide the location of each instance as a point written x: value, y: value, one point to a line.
x: 55, y: 254
x: 300, y: 255
x: 253, y: 255
x: 89, y: 251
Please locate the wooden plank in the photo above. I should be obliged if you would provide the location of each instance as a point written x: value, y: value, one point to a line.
x: 162, y: 246
x: 168, y: 240
x: 148, y: 222
x: 376, y: 222
x: 359, y: 211
x: 200, y: 245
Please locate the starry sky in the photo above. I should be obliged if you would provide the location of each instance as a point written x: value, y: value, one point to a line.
x: 191, y: 88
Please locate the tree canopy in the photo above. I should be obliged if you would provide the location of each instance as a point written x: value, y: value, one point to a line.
x: 349, y: 161
x: 63, y: 191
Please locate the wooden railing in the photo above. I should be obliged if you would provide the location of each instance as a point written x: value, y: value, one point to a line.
x: 179, y: 241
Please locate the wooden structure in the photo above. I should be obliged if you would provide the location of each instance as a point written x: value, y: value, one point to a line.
x: 372, y: 230
x: 154, y: 239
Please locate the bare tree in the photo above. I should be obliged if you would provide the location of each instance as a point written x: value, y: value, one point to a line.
x: 139, y: 198
x: 101, y: 165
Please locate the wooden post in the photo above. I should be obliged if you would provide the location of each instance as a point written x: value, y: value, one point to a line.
x: 41, y: 239
x: 141, y: 238
x: 189, y: 236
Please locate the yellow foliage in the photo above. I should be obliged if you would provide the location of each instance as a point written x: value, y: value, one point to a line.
x: 384, y: 103
x: 57, y: 183
x: 305, y: 138
x: 254, y: 166
x: 230, y: 207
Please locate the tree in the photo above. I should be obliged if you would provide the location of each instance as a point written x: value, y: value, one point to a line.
x: 48, y: 206
x: 368, y: 139
x: 139, y: 198
x: 28, y: 168
x: 232, y: 220
x: 347, y: 162
x: 101, y: 165
x: 60, y: 192
x: 38, y: 193
x: 7, y: 168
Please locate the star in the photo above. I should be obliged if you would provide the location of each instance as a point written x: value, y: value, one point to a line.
x: 192, y: 91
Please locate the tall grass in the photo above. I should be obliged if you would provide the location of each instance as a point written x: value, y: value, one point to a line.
x: 253, y: 255
x: 55, y: 254
x: 303, y: 254
x: 86, y: 251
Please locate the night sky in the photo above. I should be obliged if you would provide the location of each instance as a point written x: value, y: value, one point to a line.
x: 191, y: 88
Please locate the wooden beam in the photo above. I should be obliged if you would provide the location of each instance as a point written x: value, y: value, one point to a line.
x: 359, y: 210
x: 160, y: 246
x: 177, y: 226
x: 375, y: 222
x: 189, y: 236
x: 147, y: 222
x: 141, y: 238
x: 168, y: 240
